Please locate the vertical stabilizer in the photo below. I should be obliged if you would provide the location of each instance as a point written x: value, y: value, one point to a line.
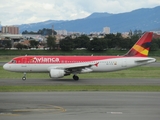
x: 142, y: 46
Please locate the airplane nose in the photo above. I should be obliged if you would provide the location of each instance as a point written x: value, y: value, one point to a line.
x: 5, y: 66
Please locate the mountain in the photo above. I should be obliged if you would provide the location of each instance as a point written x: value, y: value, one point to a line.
x: 144, y: 19
x: 99, y: 15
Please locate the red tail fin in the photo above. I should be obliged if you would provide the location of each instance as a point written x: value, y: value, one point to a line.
x: 142, y: 46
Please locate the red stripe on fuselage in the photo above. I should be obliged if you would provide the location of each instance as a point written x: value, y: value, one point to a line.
x: 59, y: 59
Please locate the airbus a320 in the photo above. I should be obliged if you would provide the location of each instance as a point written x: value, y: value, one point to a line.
x: 60, y: 66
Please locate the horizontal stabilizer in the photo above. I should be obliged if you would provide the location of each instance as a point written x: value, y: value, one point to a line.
x: 146, y: 60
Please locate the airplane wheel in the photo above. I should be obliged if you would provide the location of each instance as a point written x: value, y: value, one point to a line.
x: 75, y: 77
x: 24, y: 78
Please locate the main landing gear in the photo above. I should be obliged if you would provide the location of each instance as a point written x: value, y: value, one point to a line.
x: 75, y: 77
x: 24, y: 76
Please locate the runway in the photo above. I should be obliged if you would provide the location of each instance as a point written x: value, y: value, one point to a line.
x: 80, y: 106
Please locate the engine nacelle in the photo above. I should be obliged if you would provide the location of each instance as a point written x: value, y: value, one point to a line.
x: 55, y: 73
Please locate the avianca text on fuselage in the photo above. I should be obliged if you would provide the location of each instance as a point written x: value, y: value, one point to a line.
x: 45, y: 60
x: 60, y: 66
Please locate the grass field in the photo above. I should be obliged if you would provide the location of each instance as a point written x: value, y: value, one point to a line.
x: 137, y: 72
x: 59, y: 52
x: 62, y: 88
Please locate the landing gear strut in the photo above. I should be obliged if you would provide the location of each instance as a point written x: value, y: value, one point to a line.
x: 24, y: 77
x: 75, y: 77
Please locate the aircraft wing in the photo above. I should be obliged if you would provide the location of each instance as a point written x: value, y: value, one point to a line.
x: 75, y: 66
x: 72, y: 68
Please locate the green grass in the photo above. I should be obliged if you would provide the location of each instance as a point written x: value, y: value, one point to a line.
x: 6, y: 58
x: 137, y: 72
x: 74, y: 52
x: 62, y: 88
x: 59, y: 52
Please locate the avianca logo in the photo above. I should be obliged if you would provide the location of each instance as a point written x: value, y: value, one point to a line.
x: 45, y: 60
x: 141, y: 50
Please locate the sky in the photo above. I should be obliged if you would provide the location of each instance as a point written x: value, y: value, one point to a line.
x: 16, y: 12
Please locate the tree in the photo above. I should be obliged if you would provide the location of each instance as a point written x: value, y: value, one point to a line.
x: 66, y: 44
x: 33, y: 43
x: 19, y: 46
x: 7, y: 43
x: 51, y: 42
x: 130, y: 33
x: 81, y: 42
x: 155, y: 44
x: 124, y: 43
x: 133, y: 40
x: 138, y: 32
x: 98, y: 44
x: 113, y: 40
x: 25, y: 32
x: 44, y: 31
x: 157, y: 41
x: 118, y: 38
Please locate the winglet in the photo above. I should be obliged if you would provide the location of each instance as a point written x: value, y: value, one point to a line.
x: 142, y: 46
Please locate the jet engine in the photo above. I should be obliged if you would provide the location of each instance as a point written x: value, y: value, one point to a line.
x: 56, y: 73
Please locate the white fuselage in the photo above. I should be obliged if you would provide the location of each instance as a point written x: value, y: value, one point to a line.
x: 105, y: 65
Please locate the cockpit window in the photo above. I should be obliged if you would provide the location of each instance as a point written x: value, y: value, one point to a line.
x: 13, y: 61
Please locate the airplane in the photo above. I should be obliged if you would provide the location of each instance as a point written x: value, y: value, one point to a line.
x: 60, y: 66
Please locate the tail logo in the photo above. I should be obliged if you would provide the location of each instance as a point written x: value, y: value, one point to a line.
x: 143, y: 49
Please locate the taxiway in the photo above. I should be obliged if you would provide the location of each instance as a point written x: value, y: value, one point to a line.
x: 80, y: 106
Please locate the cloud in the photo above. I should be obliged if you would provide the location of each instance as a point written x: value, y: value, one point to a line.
x: 30, y: 11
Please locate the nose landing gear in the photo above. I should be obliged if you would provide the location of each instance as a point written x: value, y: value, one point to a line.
x: 24, y: 76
